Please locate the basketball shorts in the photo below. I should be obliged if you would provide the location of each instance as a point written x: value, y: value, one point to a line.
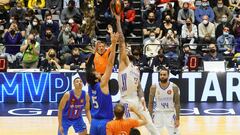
x: 78, y: 125
x: 98, y: 126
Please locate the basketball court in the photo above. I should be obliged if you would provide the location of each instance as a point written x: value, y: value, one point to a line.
x: 196, y: 119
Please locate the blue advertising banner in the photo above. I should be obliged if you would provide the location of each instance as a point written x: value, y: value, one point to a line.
x: 49, y: 87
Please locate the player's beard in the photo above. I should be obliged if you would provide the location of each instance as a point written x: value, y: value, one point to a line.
x: 163, y: 80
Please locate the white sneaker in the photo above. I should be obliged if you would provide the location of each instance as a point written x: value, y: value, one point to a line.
x: 132, y: 35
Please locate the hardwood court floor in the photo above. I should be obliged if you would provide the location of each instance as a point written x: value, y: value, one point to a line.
x: 190, y: 125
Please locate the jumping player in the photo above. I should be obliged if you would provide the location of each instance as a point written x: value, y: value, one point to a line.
x: 129, y: 83
x: 167, y: 108
x: 70, y: 110
x: 100, y: 98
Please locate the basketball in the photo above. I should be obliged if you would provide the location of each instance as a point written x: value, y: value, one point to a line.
x: 117, y: 6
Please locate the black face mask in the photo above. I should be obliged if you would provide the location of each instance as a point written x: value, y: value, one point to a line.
x: 168, y: 20
x: 188, y: 24
x: 212, y: 50
x: 12, y: 32
x: 52, y: 55
x: 151, y: 19
x: 75, y: 56
x: 48, y: 35
x: 161, y: 55
x: 185, y: 9
x: 70, y: 8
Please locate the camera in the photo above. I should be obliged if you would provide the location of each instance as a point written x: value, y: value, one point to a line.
x: 33, y: 41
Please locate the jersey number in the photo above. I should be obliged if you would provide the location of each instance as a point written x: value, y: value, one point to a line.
x: 165, y: 105
x: 95, y: 103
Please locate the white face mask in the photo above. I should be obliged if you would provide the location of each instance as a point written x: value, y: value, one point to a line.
x: 205, y: 22
x: 49, y: 21
x: 224, y: 19
x: 11, y: 20
x: 70, y: 21
x: 34, y: 23
x: 152, y: 38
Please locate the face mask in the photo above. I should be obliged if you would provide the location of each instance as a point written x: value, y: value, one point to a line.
x: 75, y: 56
x: 224, y: 19
x: 151, y: 19
x: 51, y: 55
x: 34, y: 23
x: 212, y: 50
x: 161, y: 55
x: 152, y: 38
x: 188, y: 24
x: 48, y: 35
x: 204, y: 4
x: 205, y: 22
x: 67, y: 29
x: 220, y: 5
x: 12, y: 32
x: 185, y: 9
x: 49, y: 21
x: 70, y: 8
x: 18, y: 8
x: 225, y: 33
x: 70, y: 21
x: 168, y: 20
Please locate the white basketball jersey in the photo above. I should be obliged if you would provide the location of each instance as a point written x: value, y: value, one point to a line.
x: 164, y: 98
x: 128, y: 81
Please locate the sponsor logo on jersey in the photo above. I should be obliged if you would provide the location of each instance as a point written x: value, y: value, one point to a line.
x: 169, y: 92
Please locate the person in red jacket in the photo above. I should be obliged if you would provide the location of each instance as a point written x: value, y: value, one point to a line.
x: 127, y: 18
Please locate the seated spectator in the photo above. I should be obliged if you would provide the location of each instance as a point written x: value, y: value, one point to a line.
x: 185, y: 13
x: 152, y: 8
x: 18, y: 10
x: 55, y: 6
x: 70, y: 12
x: 140, y: 59
x: 21, y: 25
x: 128, y: 18
x: 206, y: 31
x: 151, y: 45
x: 169, y: 10
x: 226, y: 42
x: 34, y: 24
x: 49, y: 23
x: 221, y: 10
x: 12, y: 37
x: 236, y: 29
x: 224, y: 23
x: 170, y: 44
x: 167, y: 25
x: 36, y: 5
x: 101, y: 57
x: 48, y: 41
x: 151, y: 25
x: 51, y: 63
x: 77, y: 3
x: 121, y: 125
x: 31, y: 50
x: 75, y: 61
x: 184, y: 56
x: 204, y: 10
x: 189, y: 32
x: 159, y: 61
x: 213, y: 54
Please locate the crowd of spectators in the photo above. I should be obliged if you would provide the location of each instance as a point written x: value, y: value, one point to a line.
x: 32, y: 30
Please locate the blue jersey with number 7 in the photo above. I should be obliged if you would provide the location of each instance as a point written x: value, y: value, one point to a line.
x: 101, y: 104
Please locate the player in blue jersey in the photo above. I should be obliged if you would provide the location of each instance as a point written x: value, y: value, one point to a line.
x: 100, y: 98
x: 70, y: 110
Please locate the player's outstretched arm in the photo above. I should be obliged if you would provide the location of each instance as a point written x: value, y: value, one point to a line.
x: 177, y: 104
x: 140, y: 94
x: 60, y: 109
x: 124, y: 61
x: 151, y: 99
x: 87, y: 108
x: 107, y: 74
x: 142, y: 120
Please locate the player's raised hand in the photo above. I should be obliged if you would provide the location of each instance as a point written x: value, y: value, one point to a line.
x: 114, y: 37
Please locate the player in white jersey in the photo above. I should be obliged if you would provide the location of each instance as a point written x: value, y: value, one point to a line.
x: 129, y: 84
x: 167, y: 97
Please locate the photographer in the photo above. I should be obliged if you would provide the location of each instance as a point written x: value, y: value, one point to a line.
x: 75, y: 61
x: 30, y: 49
x: 51, y: 63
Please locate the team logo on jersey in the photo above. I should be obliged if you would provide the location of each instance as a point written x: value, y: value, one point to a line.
x: 169, y: 92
